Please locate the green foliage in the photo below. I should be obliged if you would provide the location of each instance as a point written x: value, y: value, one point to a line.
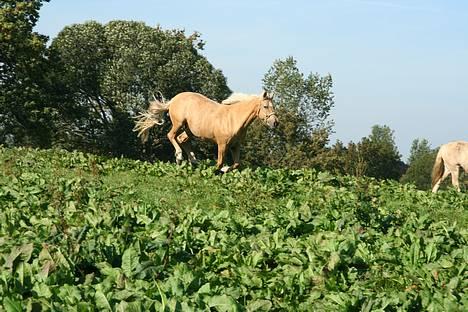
x: 25, y: 116
x: 381, y: 154
x: 110, y: 72
x: 81, y: 232
x: 374, y: 156
x: 420, y: 163
x: 309, y: 98
x: 303, y: 106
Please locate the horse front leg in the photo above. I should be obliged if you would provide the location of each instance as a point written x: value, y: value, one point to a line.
x: 221, y: 155
x: 455, y: 172
x: 235, y: 151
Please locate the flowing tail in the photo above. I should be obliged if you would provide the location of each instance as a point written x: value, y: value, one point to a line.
x: 437, y: 170
x: 147, y: 120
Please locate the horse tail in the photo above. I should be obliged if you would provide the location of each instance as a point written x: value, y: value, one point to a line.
x: 438, y: 169
x: 147, y: 120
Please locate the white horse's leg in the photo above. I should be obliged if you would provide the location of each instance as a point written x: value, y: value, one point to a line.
x: 444, y: 176
x: 454, y: 170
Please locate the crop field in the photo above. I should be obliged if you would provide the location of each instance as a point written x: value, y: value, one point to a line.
x: 80, y: 232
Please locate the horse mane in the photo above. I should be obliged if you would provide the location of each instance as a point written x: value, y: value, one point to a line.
x: 237, y: 97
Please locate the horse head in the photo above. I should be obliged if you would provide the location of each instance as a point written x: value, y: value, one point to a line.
x: 267, y: 112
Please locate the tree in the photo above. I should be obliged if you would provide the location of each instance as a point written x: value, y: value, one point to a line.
x: 303, y: 105
x: 110, y: 71
x: 420, y: 163
x: 25, y: 116
x: 382, y: 158
x: 354, y: 162
x: 375, y: 156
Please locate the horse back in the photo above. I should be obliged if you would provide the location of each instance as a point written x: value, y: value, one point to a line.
x: 455, y: 153
x: 199, y: 113
x: 191, y: 104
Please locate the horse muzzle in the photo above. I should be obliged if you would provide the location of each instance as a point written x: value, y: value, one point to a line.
x: 272, y: 121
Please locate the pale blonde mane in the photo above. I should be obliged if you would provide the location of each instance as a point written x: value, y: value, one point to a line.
x: 237, y: 97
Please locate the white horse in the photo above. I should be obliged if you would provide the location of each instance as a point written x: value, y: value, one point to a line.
x: 450, y: 158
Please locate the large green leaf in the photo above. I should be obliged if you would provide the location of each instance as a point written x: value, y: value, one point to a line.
x: 130, y: 261
x: 223, y: 303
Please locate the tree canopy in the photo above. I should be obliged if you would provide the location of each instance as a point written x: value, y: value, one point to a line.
x: 420, y: 163
x: 303, y: 105
x: 24, y: 112
x: 110, y: 71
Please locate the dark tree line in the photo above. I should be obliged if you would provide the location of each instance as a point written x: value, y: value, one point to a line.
x: 82, y: 90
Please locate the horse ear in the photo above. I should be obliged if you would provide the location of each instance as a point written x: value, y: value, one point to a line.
x: 265, y: 95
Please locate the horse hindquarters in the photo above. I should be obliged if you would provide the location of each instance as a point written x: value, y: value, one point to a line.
x: 439, y: 173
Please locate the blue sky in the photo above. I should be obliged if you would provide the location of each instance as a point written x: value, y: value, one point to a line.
x: 401, y: 63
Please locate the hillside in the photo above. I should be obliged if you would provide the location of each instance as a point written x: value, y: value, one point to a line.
x: 82, y: 233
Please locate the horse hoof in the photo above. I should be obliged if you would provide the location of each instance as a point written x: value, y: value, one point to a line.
x: 225, y: 169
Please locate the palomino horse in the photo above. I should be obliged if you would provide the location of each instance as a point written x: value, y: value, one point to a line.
x: 194, y: 115
x: 450, y: 158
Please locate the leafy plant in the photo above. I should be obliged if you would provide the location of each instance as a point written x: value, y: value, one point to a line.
x: 81, y: 232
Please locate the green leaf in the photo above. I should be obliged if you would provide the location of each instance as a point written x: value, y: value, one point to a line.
x: 69, y: 294
x: 42, y: 290
x: 259, y: 305
x: 107, y: 270
x: 223, y: 303
x: 204, y: 289
x: 123, y: 294
x: 129, y: 306
x: 14, y: 254
x: 333, y: 261
x: 101, y: 301
x: 12, y: 305
x: 130, y: 261
x: 445, y: 263
x: 26, y: 251
x: 314, y: 295
x: 453, y: 284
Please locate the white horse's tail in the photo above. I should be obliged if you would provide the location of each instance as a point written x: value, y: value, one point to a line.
x: 438, y: 169
x: 147, y: 120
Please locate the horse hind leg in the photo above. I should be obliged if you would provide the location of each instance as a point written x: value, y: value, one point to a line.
x: 172, y: 136
x: 444, y: 176
x: 184, y: 140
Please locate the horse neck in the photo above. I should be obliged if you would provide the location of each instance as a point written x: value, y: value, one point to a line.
x: 245, y: 112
